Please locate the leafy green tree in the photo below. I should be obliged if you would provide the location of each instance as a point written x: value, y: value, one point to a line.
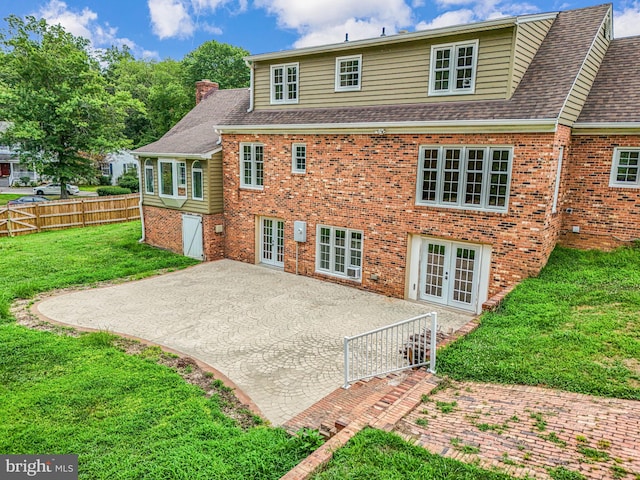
x: 54, y: 95
x: 218, y: 62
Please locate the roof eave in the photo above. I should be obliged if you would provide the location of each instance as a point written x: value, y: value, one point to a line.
x: 449, y: 126
x: 189, y: 156
x: 591, y: 128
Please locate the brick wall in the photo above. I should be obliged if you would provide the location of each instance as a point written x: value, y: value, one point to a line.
x: 606, y: 216
x: 368, y: 182
x: 163, y: 229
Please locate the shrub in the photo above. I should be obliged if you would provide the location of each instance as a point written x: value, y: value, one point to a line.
x: 129, y: 180
x: 107, y: 191
x: 104, y: 180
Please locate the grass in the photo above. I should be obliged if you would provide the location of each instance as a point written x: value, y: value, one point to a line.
x: 125, y: 416
x: 374, y: 454
x: 575, y: 328
x: 7, y: 197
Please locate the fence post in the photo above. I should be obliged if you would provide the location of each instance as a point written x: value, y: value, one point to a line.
x: 346, y: 363
x: 84, y: 222
x: 9, y: 221
x: 434, y: 334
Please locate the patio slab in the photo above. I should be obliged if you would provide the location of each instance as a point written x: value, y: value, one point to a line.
x: 276, y: 335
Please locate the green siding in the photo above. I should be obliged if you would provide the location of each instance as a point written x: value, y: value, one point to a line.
x: 580, y: 90
x: 393, y: 74
x: 211, y: 185
x: 528, y: 38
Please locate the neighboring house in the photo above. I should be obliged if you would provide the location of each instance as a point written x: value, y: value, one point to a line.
x: 441, y: 166
x: 116, y: 164
x: 11, y: 170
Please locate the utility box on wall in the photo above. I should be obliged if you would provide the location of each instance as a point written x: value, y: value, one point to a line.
x: 300, y: 231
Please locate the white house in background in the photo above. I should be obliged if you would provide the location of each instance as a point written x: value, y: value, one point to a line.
x: 11, y: 170
x: 116, y: 164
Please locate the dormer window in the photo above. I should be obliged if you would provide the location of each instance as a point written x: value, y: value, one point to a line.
x: 284, y: 83
x: 348, y: 73
x: 453, y: 68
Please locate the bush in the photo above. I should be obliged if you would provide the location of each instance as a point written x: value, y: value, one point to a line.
x: 104, y: 180
x: 129, y: 180
x: 107, y: 191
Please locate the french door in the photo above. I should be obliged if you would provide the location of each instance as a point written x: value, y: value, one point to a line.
x: 272, y: 242
x: 449, y: 273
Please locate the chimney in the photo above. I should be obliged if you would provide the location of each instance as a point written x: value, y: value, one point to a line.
x: 203, y: 87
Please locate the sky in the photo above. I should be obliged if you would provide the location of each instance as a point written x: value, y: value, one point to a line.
x: 159, y: 29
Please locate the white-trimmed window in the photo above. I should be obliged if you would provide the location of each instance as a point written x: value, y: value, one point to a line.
x: 130, y: 167
x: 284, y: 83
x: 339, y: 251
x: 299, y: 158
x: 149, y: 187
x: 251, y: 165
x: 197, y: 190
x: 172, y: 178
x: 453, y: 68
x: 348, y: 73
x: 625, y: 170
x: 465, y: 177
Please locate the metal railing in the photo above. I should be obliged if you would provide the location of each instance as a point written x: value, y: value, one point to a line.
x: 403, y: 345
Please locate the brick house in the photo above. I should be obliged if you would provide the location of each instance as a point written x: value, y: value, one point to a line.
x: 440, y: 166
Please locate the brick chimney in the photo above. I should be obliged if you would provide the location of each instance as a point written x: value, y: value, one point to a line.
x: 203, y: 87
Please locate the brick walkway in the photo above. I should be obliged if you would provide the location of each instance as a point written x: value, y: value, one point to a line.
x: 515, y: 429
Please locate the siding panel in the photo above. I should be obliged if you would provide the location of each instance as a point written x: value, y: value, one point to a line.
x: 529, y: 37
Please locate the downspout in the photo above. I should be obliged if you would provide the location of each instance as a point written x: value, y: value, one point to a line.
x: 140, y: 186
x: 251, y: 81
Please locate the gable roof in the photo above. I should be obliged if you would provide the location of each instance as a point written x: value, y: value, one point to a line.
x: 195, y: 135
x: 539, y: 97
x: 615, y: 95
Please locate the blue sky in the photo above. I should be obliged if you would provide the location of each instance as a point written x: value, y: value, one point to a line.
x: 161, y: 29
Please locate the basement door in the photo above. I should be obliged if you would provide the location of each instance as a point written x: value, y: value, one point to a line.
x: 450, y: 273
x: 272, y: 242
x: 192, y: 236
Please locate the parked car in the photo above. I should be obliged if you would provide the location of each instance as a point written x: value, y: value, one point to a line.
x: 54, y: 189
x: 29, y: 199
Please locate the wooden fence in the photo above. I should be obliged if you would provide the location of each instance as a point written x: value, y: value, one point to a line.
x: 61, y: 214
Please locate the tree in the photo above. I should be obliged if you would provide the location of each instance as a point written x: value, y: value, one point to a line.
x: 218, y: 62
x: 54, y: 95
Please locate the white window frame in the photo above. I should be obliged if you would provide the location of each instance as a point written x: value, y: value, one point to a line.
x: 462, y: 181
x: 615, y: 166
x: 452, y: 70
x: 285, y: 83
x: 295, y: 157
x: 352, y: 257
x: 256, y: 166
x: 178, y: 177
x: 148, y: 174
x: 338, y: 82
x: 197, y: 170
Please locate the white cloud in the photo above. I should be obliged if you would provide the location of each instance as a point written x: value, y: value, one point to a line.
x: 85, y: 24
x: 170, y: 18
x: 327, y: 21
x: 627, y: 22
x: 453, y: 17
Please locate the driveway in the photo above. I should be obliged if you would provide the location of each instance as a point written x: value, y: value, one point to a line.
x: 276, y: 335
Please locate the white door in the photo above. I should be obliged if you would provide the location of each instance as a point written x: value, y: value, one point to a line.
x: 272, y: 242
x: 192, y: 236
x: 449, y: 273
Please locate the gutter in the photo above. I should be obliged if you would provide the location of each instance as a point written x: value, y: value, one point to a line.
x: 188, y: 156
x: 140, y: 186
x: 251, y: 66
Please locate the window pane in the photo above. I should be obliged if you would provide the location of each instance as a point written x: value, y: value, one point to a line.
x: 441, y: 69
x: 355, y: 250
x: 464, y: 67
x: 166, y: 176
x: 325, y: 248
x: 339, y: 250
x: 628, y: 167
x: 148, y: 179
x: 349, y: 73
x: 292, y: 83
x: 429, y: 174
x: 451, y: 175
x: 197, y: 184
x: 475, y: 166
x: 499, y: 179
x: 259, y: 161
x: 278, y: 83
x: 300, y: 158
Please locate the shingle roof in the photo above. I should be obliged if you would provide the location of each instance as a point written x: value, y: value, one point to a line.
x: 615, y: 95
x: 540, y: 94
x: 194, y: 134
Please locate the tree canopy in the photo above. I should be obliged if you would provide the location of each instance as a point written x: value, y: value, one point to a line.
x: 52, y: 93
x: 218, y: 62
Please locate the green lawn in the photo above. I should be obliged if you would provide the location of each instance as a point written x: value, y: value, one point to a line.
x: 576, y: 327
x: 374, y: 454
x: 7, y: 197
x: 126, y: 416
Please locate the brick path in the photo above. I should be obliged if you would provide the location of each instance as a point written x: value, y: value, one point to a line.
x: 517, y: 429
x: 524, y: 430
